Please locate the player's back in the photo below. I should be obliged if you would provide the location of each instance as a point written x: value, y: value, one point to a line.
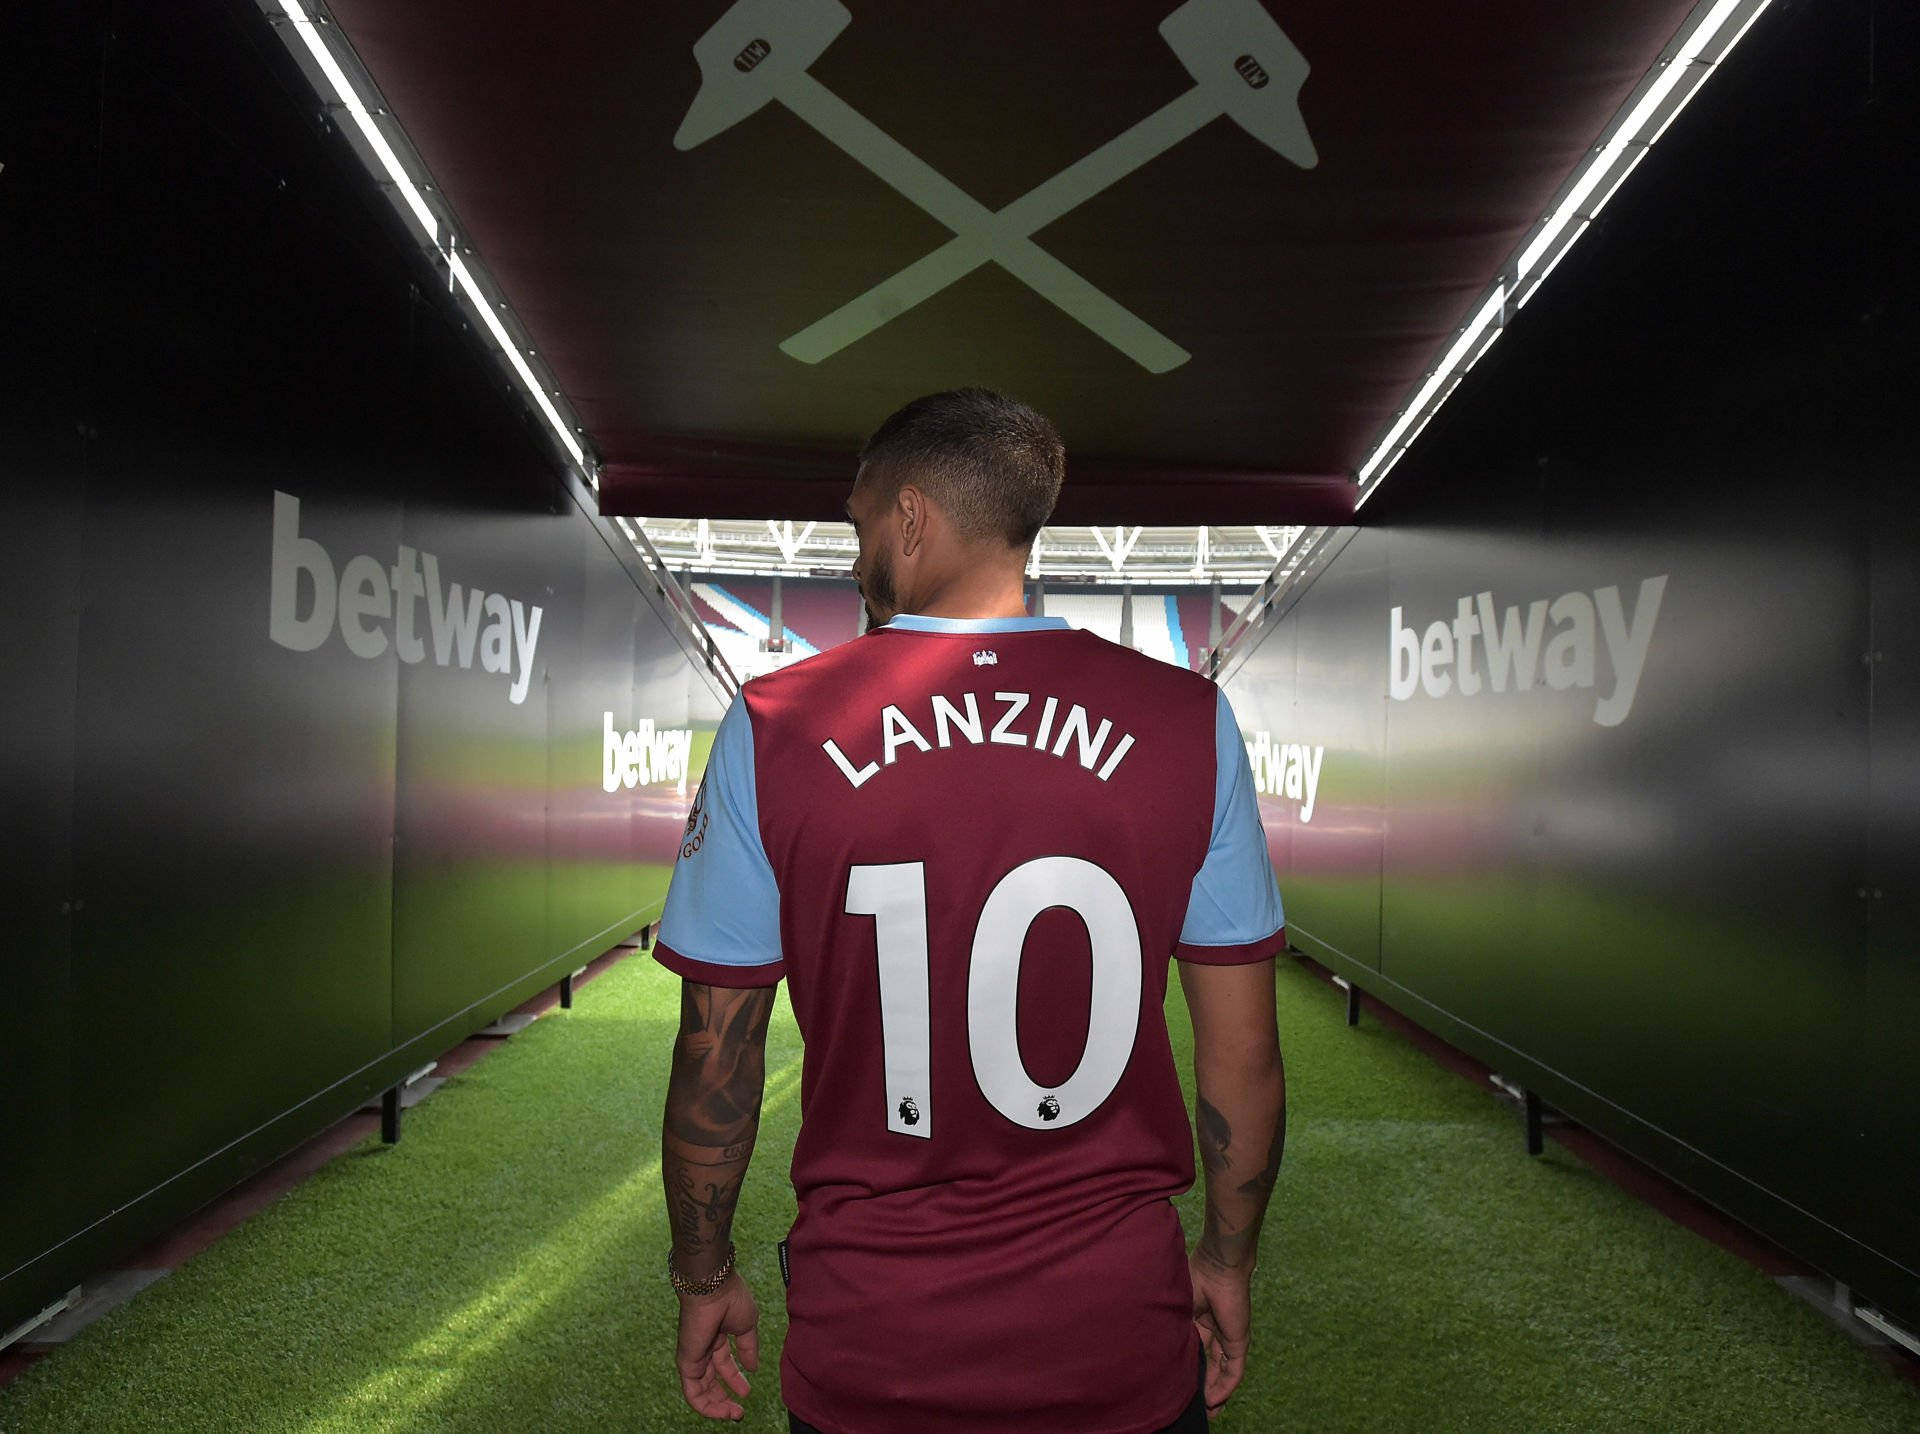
x: 985, y: 837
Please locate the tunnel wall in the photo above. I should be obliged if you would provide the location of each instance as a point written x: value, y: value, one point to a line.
x: 267, y: 851
x: 1667, y: 876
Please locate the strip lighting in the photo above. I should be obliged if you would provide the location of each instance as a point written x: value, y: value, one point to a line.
x: 433, y: 229
x: 1645, y: 117
x: 499, y: 331
x: 1445, y: 373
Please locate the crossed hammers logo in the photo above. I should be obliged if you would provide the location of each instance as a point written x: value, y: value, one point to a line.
x: 1243, y: 67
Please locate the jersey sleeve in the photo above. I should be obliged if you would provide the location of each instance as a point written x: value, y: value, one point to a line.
x: 721, y: 925
x: 1233, y: 914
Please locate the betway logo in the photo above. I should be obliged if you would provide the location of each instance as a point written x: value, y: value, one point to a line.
x: 1286, y: 769
x: 369, y: 593
x: 645, y: 755
x: 1511, y: 650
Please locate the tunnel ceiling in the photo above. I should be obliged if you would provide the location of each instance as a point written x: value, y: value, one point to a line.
x: 1220, y: 288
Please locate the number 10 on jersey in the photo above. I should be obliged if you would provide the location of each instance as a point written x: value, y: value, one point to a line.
x: 895, y: 896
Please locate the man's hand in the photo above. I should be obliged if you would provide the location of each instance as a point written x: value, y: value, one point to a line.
x: 1223, y: 1314
x: 719, y: 1340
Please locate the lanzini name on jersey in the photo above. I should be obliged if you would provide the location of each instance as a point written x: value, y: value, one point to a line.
x: 1004, y: 717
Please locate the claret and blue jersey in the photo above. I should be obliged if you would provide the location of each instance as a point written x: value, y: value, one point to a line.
x: 971, y: 847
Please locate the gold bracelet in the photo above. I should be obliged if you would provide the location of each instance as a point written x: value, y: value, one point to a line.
x: 684, y: 1286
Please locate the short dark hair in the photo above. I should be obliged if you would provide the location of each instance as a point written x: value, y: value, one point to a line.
x: 994, y: 464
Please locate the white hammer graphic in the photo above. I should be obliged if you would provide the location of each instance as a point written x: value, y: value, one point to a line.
x: 1243, y: 66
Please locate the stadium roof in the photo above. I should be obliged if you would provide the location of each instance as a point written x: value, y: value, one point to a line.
x: 1164, y: 556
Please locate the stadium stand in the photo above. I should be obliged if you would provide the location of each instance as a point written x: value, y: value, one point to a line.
x: 818, y: 613
x: 825, y: 613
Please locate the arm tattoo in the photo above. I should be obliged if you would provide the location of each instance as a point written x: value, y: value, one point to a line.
x: 1215, y: 1135
x: 1230, y: 1237
x: 1262, y: 1184
x: 698, y: 1205
x: 1229, y: 1249
x: 712, y: 1116
x: 721, y: 1054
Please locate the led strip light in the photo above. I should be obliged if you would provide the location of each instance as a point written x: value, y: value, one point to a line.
x: 1718, y: 25
x: 469, y: 276
x: 1715, y: 27
x: 437, y: 232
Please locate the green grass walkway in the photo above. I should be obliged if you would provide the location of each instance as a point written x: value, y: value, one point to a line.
x: 500, y: 1269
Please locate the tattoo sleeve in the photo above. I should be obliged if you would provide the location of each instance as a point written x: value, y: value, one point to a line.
x: 1251, y: 1141
x: 712, y: 1117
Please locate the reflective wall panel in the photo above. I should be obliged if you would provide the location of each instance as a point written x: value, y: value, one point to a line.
x: 339, y: 723
x: 1613, y: 695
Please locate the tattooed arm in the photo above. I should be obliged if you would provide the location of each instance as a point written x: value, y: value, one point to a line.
x: 1240, y: 1116
x: 712, y: 1118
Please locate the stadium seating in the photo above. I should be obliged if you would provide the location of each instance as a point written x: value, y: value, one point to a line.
x: 820, y: 613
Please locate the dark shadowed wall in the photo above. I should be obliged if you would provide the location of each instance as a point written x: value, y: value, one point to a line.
x: 1648, y: 845
x: 290, y: 809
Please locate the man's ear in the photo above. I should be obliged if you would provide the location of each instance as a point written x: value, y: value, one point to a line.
x: 913, y: 518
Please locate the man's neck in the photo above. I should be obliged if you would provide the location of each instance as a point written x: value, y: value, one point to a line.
x: 974, y: 594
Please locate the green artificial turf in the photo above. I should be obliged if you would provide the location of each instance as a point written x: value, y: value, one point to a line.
x: 500, y: 1269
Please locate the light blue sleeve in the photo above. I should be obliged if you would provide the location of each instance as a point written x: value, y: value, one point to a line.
x: 1235, y: 900
x: 723, y: 905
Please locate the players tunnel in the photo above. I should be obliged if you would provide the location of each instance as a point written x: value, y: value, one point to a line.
x: 363, y: 364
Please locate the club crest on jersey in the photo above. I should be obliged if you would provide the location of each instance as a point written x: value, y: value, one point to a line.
x: 696, y: 832
x: 986, y: 657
